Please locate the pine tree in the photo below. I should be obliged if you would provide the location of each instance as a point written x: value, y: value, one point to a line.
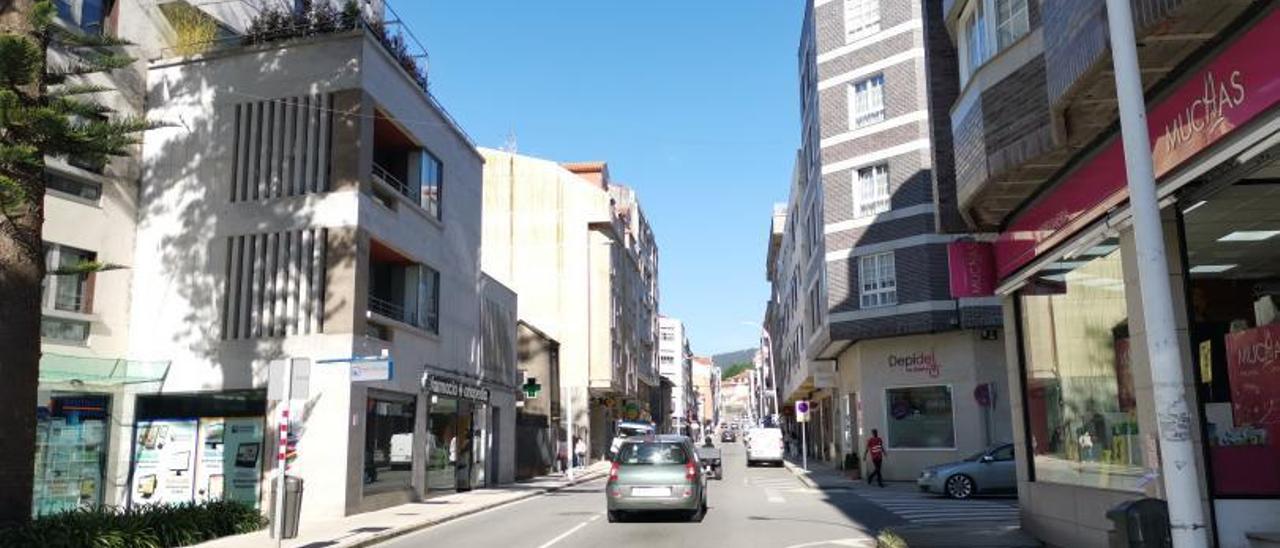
x: 47, y: 108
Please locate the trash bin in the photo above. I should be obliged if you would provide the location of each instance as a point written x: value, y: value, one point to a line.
x: 292, y: 506
x: 1142, y: 523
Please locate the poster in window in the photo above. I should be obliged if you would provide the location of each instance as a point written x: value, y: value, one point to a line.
x: 164, y: 462
x: 1253, y: 365
x: 1125, y: 398
x: 230, y: 459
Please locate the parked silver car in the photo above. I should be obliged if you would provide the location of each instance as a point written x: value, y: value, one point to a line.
x: 990, y: 471
x: 656, y: 473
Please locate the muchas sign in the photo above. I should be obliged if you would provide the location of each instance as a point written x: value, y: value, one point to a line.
x: 1215, y: 101
x: 1253, y: 363
x: 972, y: 269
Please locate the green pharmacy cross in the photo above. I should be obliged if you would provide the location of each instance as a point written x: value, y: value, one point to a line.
x: 531, y: 388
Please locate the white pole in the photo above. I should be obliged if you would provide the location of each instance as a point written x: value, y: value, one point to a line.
x: 804, y: 444
x: 280, y: 451
x: 1173, y: 416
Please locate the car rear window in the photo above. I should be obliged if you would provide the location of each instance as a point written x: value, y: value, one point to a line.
x: 653, y: 453
x: 632, y: 431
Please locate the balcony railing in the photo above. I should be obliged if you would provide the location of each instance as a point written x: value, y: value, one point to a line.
x: 386, y: 309
x: 380, y: 173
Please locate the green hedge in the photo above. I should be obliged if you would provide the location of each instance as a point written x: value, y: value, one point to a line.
x: 142, y: 527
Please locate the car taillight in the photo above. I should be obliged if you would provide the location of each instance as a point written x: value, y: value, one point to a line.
x: 690, y: 471
x: 781, y: 445
x: 613, y: 472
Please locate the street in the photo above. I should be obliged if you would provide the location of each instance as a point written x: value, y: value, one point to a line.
x: 759, y: 506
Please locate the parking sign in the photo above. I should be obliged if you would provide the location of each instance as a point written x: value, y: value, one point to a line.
x: 802, y: 411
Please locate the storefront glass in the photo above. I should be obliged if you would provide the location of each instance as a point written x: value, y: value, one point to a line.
x: 919, y: 417
x: 388, y: 441
x: 1233, y: 253
x: 442, y: 444
x: 71, y: 452
x: 1082, y: 416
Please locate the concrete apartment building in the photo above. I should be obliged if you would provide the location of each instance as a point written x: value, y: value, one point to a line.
x: 706, y: 389
x: 328, y: 210
x: 1039, y: 161
x: 675, y: 362
x: 862, y: 319
x: 577, y: 248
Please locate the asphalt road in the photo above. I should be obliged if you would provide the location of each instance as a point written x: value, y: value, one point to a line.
x: 761, y: 506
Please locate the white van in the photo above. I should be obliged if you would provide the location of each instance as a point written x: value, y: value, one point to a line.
x: 402, y: 450
x: 764, y: 445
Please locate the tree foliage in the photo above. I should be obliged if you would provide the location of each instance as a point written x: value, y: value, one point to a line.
x: 734, y: 369
x: 48, y: 108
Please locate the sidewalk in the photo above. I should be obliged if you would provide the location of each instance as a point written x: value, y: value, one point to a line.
x: 824, y: 476
x: 373, y: 527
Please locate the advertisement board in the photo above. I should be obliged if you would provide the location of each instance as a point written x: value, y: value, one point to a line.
x: 1253, y: 365
x: 230, y: 459
x: 164, y: 462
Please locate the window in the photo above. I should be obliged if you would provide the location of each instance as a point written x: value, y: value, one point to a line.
x: 64, y: 330
x: 1081, y: 411
x: 1004, y: 453
x: 431, y: 183
x: 67, y: 292
x: 861, y: 18
x: 867, y: 101
x: 667, y: 360
x: 815, y: 306
x: 86, y: 15
x: 988, y: 27
x: 872, y: 190
x: 878, y: 280
x: 91, y: 191
x: 919, y: 417
x: 388, y: 441
x: 429, y: 299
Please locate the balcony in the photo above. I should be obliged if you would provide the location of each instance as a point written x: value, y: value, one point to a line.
x: 401, y: 293
x: 403, y: 170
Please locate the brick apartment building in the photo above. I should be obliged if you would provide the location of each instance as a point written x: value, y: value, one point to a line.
x: 861, y: 320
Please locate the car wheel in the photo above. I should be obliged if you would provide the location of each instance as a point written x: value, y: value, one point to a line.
x: 960, y: 486
x: 613, y: 516
x: 697, y: 515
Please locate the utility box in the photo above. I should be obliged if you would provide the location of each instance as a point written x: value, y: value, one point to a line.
x: 1142, y: 523
x: 292, y: 506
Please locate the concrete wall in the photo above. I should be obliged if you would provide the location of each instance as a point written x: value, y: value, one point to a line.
x: 536, y: 239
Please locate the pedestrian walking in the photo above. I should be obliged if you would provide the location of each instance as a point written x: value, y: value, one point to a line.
x: 579, y: 452
x: 875, y: 449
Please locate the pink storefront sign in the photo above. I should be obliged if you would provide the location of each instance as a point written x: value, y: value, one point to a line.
x: 1233, y: 89
x: 972, y: 269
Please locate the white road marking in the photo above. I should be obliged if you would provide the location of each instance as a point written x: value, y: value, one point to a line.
x: 566, y: 534
x: 773, y: 496
x: 854, y: 542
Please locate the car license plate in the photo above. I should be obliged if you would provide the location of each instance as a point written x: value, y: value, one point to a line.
x: 650, y: 491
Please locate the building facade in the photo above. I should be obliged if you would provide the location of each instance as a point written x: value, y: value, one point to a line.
x: 862, y: 319
x: 579, y: 250
x: 675, y: 362
x: 331, y: 215
x: 1039, y: 160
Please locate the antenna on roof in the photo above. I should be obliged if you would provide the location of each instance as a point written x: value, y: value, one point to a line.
x: 510, y: 145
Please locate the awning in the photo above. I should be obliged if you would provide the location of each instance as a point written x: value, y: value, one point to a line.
x: 61, y: 368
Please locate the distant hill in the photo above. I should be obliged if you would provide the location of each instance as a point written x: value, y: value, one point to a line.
x: 737, y: 356
x: 732, y: 363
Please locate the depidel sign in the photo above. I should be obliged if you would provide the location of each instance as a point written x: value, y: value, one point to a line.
x: 919, y: 362
x: 441, y: 386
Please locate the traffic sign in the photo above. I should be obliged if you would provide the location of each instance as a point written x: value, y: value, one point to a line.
x: 802, y: 411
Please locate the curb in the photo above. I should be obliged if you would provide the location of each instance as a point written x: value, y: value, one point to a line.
x: 801, y: 474
x: 384, y: 536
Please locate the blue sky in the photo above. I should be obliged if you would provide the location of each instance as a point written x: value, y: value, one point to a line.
x: 693, y: 103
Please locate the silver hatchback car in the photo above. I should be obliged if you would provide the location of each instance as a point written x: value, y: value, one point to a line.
x: 656, y: 473
x: 989, y: 471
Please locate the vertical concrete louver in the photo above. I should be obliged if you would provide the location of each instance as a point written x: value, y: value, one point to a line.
x: 281, y: 148
x: 275, y: 284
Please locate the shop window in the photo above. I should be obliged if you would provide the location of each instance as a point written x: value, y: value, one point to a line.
x: 71, y: 452
x: 919, y: 417
x: 388, y: 442
x: 1083, y: 425
x: 1233, y: 257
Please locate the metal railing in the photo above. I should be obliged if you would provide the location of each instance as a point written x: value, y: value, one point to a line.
x: 380, y: 173
x: 385, y: 308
